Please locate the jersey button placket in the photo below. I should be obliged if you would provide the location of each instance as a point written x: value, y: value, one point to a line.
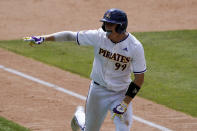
x: 109, y: 67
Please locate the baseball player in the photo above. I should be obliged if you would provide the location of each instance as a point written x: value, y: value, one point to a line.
x: 117, y: 54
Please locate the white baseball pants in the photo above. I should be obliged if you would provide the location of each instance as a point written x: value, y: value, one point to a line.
x: 101, y: 100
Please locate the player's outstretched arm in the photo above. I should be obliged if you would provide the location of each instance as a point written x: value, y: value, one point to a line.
x: 59, y: 36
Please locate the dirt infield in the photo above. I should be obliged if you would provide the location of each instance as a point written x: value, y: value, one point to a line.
x: 40, y: 107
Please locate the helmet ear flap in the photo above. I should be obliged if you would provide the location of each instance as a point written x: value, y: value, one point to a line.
x: 118, y: 29
x: 121, y: 28
x: 103, y: 26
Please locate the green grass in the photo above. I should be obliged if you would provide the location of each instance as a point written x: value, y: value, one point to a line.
x: 171, y: 78
x: 6, y: 125
x: 67, y: 56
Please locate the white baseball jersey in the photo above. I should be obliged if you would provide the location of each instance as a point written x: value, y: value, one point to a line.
x: 113, y: 62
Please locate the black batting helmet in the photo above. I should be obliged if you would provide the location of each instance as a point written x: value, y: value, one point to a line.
x: 116, y: 16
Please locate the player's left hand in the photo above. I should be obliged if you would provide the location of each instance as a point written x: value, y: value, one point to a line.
x: 119, y: 110
x: 34, y: 40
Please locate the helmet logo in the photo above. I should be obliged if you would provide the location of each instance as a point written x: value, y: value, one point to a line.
x: 108, y: 15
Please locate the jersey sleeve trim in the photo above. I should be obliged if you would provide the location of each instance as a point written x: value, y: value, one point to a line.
x: 140, y: 72
x: 78, y: 38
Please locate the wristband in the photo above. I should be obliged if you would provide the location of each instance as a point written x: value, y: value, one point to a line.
x: 132, y: 90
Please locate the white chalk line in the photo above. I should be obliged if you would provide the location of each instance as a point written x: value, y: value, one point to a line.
x: 75, y: 95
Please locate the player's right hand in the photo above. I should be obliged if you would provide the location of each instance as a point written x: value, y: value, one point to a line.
x: 34, y: 40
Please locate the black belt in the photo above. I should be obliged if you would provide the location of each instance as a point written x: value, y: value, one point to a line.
x: 96, y: 83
